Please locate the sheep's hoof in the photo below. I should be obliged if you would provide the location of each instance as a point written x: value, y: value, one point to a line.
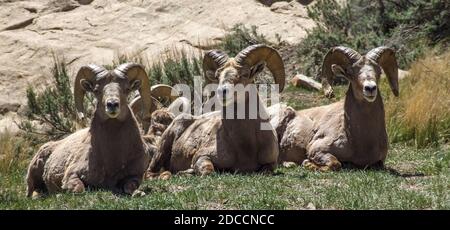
x: 165, y: 175
x: 151, y: 175
x: 138, y: 193
x: 130, y: 187
x: 325, y: 169
x: 310, y: 165
x: 76, y: 186
x: 289, y: 164
x: 206, y: 168
x: 187, y: 172
x: 322, y: 168
x: 36, y: 195
x: 333, y: 164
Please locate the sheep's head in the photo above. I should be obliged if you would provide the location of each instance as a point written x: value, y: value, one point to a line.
x: 157, y: 91
x: 161, y: 119
x: 242, y: 69
x: 363, y: 72
x: 111, y: 89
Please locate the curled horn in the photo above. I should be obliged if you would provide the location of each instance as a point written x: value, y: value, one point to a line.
x: 162, y: 90
x: 134, y: 71
x: 260, y: 53
x: 91, y: 73
x: 385, y: 57
x: 212, y: 60
x: 340, y: 55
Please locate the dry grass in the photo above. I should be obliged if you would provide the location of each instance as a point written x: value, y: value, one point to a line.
x: 422, y: 113
x: 15, y: 152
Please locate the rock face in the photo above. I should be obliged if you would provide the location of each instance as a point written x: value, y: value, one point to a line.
x: 86, y: 31
x: 300, y: 80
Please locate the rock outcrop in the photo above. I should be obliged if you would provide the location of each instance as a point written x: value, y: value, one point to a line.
x: 86, y: 31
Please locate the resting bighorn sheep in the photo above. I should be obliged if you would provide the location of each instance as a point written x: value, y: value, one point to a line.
x: 162, y: 118
x: 156, y: 92
x: 210, y: 141
x: 110, y: 154
x: 349, y: 131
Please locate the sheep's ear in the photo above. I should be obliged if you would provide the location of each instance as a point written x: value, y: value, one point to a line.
x: 86, y: 85
x: 135, y: 85
x: 338, y: 71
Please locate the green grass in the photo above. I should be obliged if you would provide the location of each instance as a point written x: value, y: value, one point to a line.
x: 421, y: 181
x: 415, y: 179
x: 300, y: 98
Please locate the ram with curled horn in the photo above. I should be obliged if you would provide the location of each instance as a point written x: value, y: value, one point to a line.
x: 158, y: 93
x: 214, y: 141
x: 161, y: 117
x: 109, y: 154
x: 350, y: 131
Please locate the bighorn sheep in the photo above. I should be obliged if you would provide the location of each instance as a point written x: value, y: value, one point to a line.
x: 111, y: 153
x: 156, y: 91
x: 162, y: 118
x: 202, y: 144
x: 349, y: 131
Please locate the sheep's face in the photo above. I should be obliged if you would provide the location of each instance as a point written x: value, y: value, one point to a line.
x: 232, y: 75
x: 363, y: 77
x: 111, y: 94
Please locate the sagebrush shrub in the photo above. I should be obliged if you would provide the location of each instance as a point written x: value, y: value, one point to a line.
x: 408, y: 26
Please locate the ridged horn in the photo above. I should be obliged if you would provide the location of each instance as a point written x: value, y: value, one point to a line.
x: 90, y: 73
x: 259, y: 53
x: 385, y: 57
x: 212, y: 60
x: 340, y: 55
x: 162, y: 90
x: 134, y: 71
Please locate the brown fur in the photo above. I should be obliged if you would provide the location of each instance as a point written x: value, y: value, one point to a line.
x: 110, y: 154
x: 341, y: 130
x: 209, y: 142
x: 349, y: 131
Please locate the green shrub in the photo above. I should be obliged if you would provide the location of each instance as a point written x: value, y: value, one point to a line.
x: 239, y: 37
x: 408, y: 26
x: 53, y: 107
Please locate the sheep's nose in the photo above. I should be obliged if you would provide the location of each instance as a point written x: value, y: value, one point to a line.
x: 112, y: 104
x: 370, y: 88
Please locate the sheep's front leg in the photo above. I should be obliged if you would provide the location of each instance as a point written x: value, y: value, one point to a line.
x: 203, y: 166
x: 267, y: 168
x: 323, y: 162
x: 73, y: 183
x: 289, y: 164
x: 165, y: 175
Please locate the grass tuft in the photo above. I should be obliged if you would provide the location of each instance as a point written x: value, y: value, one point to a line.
x: 15, y: 152
x: 421, y: 114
